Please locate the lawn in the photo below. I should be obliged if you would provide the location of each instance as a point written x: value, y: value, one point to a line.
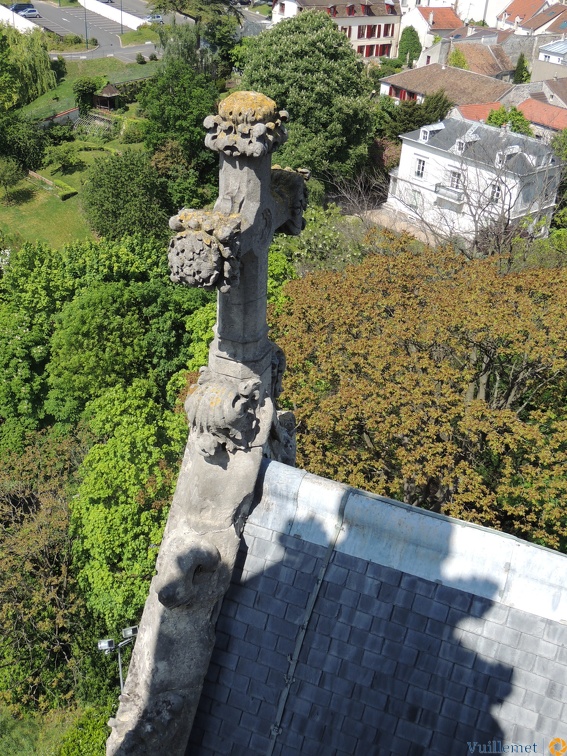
x: 144, y: 33
x: 37, y: 214
x: 61, y: 98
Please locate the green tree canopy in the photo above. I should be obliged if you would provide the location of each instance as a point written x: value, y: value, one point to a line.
x: 457, y: 59
x: 521, y: 72
x: 516, y: 120
x: 21, y: 140
x: 26, y: 68
x: 409, y: 48
x: 124, y: 194
x: 409, y: 115
x: 310, y: 69
x: 437, y: 381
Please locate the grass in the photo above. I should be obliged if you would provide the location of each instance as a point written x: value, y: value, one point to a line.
x: 139, y: 36
x: 61, y: 98
x: 264, y: 9
x: 36, y: 214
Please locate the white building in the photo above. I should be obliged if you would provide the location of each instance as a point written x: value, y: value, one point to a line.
x: 460, y: 178
x: 373, y: 28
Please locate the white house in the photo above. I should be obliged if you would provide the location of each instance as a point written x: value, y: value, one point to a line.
x: 461, y: 178
x: 372, y: 26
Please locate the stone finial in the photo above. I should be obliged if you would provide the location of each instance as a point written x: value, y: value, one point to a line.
x: 248, y: 124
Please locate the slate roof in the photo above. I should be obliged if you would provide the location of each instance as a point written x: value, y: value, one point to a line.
x: 489, y: 60
x: 358, y: 626
x: 488, y: 142
x: 522, y: 9
x: 542, y: 114
x: 375, y: 7
x: 443, y: 18
x: 544, y: 17
x: 461, y: 87
x: 559, y: 47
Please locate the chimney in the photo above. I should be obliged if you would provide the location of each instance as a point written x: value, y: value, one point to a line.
x: 431, y: 18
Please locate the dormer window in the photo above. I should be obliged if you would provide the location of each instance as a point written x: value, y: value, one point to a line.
x: 424, y: 136
x: 460, y: 146
x: 350, y: 10
x: 365, y: 9
x: 332, y: 10
x: 499, y: 162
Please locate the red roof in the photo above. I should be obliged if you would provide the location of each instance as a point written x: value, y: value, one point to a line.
x: 443, y: 18
x: 522, y: 9
x: 550, y: 116
x: 478, y: 112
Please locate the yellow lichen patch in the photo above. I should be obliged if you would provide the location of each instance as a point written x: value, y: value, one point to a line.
x: 248, y: 107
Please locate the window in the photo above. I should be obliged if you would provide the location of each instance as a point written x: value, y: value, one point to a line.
x: 365, y: 10
x: 350, y: 10
x: 349, y: 31
x: 455, y: 180
x: 361, y: 32
x: 428, y: 60
x: 460, y: 146
x: 495, y: 192
x: 420, y: 168
x: 385, y: 51
x: 379, y: 31
x: 388, y: 30
x: 424, y: 136
x: 369, y: 51
x: 370, y: 32
x: 282, y: 8
x: 500, y: 159
x: 547, y: 58
x: 360, y: 49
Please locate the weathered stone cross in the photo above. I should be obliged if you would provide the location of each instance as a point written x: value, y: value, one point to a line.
x: 232, y: 419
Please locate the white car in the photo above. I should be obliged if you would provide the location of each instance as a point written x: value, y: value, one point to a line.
x: 154, y: 19
x: 29, y: 13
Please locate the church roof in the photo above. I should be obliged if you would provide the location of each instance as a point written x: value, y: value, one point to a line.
x: 357, y: 625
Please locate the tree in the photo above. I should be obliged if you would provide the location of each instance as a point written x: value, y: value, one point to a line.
x: 121, y: 507
x: 409, y: 115
x: 110, y: 334
x: 10, y: 174
x: 521, y: 72
x: 40, y: 609
x: 83, y: 90
x: 21, y: 140
x: 309, y: 68
x: 437, y: 381
x: 409, y: 48
x: 27, y: 71
x: 124, y: 194
x: 65, y: 156
x: 457, y: 59
x: 515, y: 120
x: 175, y: 102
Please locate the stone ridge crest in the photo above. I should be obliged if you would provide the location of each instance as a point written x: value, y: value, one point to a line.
x: 248, y: 123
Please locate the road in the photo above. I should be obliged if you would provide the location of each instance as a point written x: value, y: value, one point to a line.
x: 87, y: 24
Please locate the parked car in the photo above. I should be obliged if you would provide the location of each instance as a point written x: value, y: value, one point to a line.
x: 154, y: 19
x: 29, y: 13
x: 17, y: 7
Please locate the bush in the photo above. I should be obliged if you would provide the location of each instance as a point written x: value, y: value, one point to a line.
x: 153, y: 56
x: 72, y: 39
x: 59, y: 68
x: 93, y: 42
x: 132, y: 133
x: 88, y: 736
x: 140, y: 58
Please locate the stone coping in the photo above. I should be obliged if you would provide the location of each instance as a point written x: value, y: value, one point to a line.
x: 459, y: 554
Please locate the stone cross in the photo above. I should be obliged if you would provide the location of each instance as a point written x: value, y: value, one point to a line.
x: 233, y: 423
